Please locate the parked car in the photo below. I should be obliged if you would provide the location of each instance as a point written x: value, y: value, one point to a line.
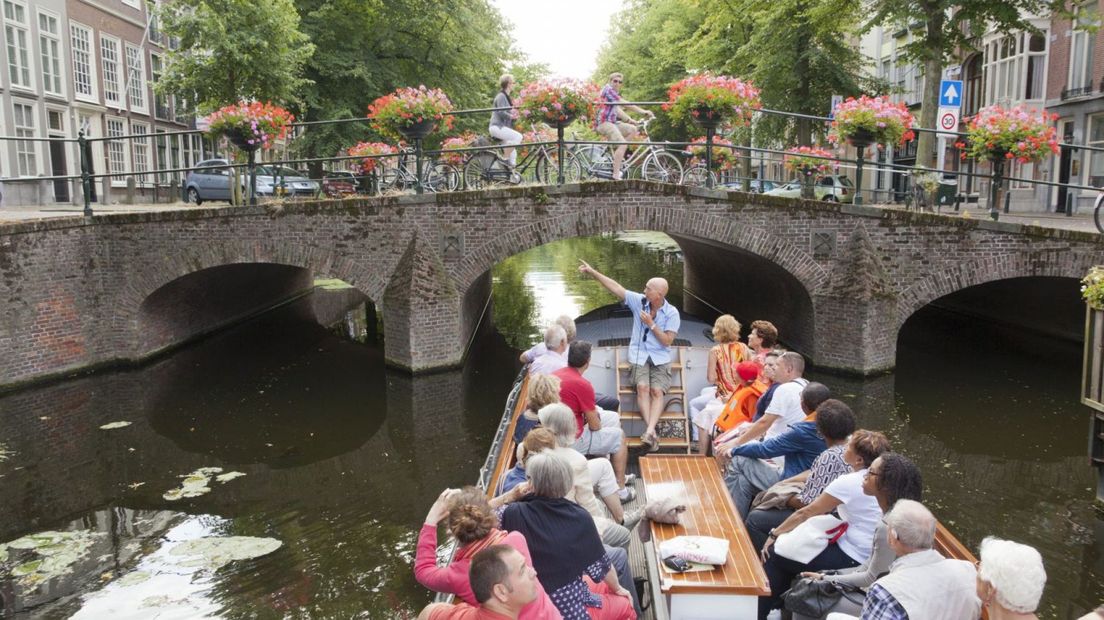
x: 758, y: 186
x: 833, y: 188
x: 210, y: 180
x: 338, y: 183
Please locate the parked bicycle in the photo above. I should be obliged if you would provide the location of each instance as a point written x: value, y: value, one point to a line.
x: 402, y: 175
x: 648, y: 161
x: 538, y: 163
x: 1098, y: 216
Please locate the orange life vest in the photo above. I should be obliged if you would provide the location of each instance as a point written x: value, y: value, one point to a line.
x: 740, y: 407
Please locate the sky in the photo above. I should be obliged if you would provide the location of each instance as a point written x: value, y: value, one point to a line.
x: 565, y: 34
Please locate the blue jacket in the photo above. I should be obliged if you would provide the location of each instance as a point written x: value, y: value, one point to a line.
x: 800, y: 446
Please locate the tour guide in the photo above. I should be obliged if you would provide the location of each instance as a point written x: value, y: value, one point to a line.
x: 650, y: 347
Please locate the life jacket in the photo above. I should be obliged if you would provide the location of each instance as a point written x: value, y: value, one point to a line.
x: 740, y: 407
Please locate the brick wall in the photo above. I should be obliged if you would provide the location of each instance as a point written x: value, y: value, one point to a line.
x: 74, y: 288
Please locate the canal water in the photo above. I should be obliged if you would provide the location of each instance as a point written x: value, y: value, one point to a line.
x: 342, y: 457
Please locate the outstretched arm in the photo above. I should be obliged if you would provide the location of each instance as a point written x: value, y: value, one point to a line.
x: 610, y: 284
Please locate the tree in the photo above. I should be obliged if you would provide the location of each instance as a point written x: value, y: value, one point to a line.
x: 232, y: 50
x: 948, y: 26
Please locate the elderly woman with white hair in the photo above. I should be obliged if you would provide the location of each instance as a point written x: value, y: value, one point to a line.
x: 565, y: 545
x: 1010, y: 579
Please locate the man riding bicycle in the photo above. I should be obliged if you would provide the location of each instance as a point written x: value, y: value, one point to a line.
x: 614, y: 123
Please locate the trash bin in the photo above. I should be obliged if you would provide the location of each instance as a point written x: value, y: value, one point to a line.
x: 945, y: 194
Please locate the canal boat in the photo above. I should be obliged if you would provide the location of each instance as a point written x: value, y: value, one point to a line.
x: 728, y: 591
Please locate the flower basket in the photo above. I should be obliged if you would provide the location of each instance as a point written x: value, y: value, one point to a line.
x: 807, y: 161
x: 366, y: 150
x: 868, y: 120
x: 411, y: 113
x: 250, y: 125
x: 1092, y: 288
x: 710, y: 100
x: 1018, y: 134
x: 724, y: 156
x: 556, y: 102
x: 449, y: 155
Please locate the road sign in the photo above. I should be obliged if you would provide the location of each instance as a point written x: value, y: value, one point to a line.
x: 950, y: 93
x: 836, y: 101
x: 947, y: 119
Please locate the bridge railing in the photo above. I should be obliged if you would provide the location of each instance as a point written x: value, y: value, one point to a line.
x: 159, y: 164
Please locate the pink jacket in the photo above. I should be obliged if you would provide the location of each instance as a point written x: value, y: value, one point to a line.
x: 453, y: 579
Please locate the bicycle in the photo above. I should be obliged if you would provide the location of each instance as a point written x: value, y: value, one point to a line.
x: 402, y: 176
x: 540, y: 163
x: 1098, y: 216
x: 649, y: 161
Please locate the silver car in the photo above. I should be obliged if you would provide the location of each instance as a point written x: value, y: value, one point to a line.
x: 210, y: 180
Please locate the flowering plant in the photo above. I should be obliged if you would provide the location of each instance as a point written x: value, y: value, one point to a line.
x: 1020, y: 134
x: 539, y: 133
x: 889, y: 123
x: 367, y: 150
x: 1092, y: 288
x: 708, y: 97
x: 806, y: 160
x: 724, y: 156
x: 251, y: 123
x: 462, y: 141
x: 925, y: 179
x: 556, y: 101
x: 405, y: 107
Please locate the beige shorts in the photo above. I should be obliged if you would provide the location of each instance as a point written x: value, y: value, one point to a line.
x: 617, y: 132
x: 657, y: 377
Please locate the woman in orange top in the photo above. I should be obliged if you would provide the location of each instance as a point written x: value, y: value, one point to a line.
x: 740, y: 407
x: 721, y: 372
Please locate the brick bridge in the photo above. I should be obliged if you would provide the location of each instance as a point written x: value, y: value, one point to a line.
x: 838, y: 280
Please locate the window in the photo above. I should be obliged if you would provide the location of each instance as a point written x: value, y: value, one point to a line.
x: 973, y: 86
x: 141, y: 147
x: 1034, y: 85
x: 116, y: 147
x: 109, y: 62
x: 162, y: 104
x: 26, y: 151
x: 162, y: 156
x: 1016, y: 68
x: 49, y: 42
x: 1096, y: 161
x: 134, y: 3
x: 84, y: 72
x: 136, y: 77
x: 17, y: 36
x: 154, y: 29
x: 55, y: 120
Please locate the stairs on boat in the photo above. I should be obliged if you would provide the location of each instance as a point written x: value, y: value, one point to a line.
x: 674, y: 421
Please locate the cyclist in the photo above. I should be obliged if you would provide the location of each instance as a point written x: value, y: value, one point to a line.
x: 502, y: 121
x: 614, y: 123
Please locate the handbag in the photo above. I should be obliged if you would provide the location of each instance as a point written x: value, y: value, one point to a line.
x: 806, y: 541
x: 817, y: 597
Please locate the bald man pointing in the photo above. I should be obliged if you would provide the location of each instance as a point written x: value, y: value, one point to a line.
x: 653, y: 332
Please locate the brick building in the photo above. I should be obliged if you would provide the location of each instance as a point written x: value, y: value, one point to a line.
x: 86, y: 64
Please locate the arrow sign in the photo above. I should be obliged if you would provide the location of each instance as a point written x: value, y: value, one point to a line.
x: 950, y: 93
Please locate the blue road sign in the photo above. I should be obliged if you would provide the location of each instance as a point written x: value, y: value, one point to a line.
x: 950, y: 93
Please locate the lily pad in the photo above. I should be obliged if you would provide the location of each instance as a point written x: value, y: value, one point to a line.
x: 215, y: 553
x: 228, y: 476
x: 46, y: 555
x: 114, y: 425
x: 194, y: 484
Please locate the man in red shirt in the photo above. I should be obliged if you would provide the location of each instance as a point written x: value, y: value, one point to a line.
x: 502, y: 583
x: 599, y: 431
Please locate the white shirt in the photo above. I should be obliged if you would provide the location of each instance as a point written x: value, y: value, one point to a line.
x: 786, y: 404
x: 861, y: 512
x: 548, y: 362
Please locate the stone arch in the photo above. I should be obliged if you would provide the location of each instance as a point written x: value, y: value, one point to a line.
x: 1059, y: 263
x: 675, y: 221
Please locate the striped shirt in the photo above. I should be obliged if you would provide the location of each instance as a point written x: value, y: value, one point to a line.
x: 880, y: 605
x: 607, y: 113
x: 826, y: 468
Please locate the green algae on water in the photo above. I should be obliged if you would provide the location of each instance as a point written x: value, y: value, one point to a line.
x: 37, y: 558
x: 214, y: 552
x: 196, y: 483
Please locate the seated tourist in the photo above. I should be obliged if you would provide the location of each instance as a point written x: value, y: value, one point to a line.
x: 555, y: 353
x: 608, y: 403
x: 721, y: 373
x: 470, y: 520
x: 1010, y: 579
x: 598, y: 431
x: 762, y: 339
x: 766, y: 377
x: 843, y: 496
x: 834, y: 422
x: 565, y: 545
x: 538, y: 440
x: 740, y: 407
x: 543, y: 390
x: 785, y: 405
x: 890, y: 478
x: 921, y: 583
x: 503, y: 583
x: 748, y: 472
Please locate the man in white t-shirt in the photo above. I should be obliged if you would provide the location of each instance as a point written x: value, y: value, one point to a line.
x: 784, y: 409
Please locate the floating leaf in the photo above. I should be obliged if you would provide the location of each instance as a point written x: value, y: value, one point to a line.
x: 215, y: 553
x: 114, y: 425
x: 47, y: 554
x: 228, y: 476
x: 135, y: 485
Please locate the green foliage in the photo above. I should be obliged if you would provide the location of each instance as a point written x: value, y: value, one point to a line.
x: 232, y: 50
x: 1092, y: 288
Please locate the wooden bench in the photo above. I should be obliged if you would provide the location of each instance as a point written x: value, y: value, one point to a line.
x: 728, y: 591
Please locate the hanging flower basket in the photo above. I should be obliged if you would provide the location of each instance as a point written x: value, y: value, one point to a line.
x: 709, y: 100
x: 411, y: 113
x: 724, y: 156
x: 1018, y: 134
x: 250, y: 125
x: 868, y: 120
x: 809, y: 160
x: 556, y: 102
x: 367, y: 150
